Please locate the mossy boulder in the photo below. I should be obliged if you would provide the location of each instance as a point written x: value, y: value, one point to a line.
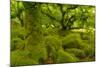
x: 73, y: 41
x: 77, y: 52
x: 65, y: 57
x: 19, y: 57
x: 53, y: 41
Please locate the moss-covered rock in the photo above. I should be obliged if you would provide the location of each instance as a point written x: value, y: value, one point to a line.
x: 89, y: 51
x: 16, y: 43
x: 77, y: 52
x: 65, y: 57
x: 53, y: 41
x: 73, y: 41
x: 37, y: 52
x: 19, y: 57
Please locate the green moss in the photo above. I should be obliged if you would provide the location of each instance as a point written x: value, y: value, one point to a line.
x: 16, y: 43
x: 37, y: 51
x: 64, y: 57
x: 77, y: 52
x: 21, y: 58
x: 90, y: 51
x: 53, y: 41
x: 73, y: 41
